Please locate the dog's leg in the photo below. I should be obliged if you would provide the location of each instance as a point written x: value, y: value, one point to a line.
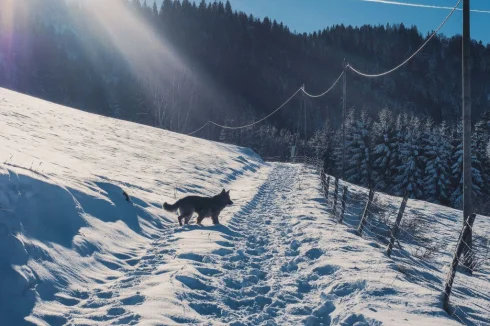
x: 199, y: 219
x: 188, y: 218
x: 215, y: 219
x: 180, y: 220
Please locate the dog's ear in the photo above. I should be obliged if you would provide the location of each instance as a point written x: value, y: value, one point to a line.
x: 228, y: 192
x: 223, y: 191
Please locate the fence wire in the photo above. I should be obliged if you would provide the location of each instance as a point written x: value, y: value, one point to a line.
x: 421, y: 254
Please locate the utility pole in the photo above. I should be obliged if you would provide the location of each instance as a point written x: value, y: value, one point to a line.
x: 303, y: 102
x: 467, y: 184
x: 304, y: 108
x: 344, y: 102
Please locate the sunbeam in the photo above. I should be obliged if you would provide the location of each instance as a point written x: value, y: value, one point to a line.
x: 11, y: 12
x: 142, y: 49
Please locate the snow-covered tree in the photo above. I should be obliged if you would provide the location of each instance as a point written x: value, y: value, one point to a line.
x: 322, y: 144
x: 395, y: 162
x: 383, y: 143
x: 481, y: 162
x: 358, y: 152
x: 438, y: 151
x: 478, y: 180
x: 338, y: 147
x: 409, y: 177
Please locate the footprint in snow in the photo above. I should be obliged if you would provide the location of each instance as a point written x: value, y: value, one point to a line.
x: 346, y: 288
x: 133, y: 300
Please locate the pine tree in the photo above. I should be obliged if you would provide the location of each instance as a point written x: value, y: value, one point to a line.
x: 322, y: 143
x: 154, y: 10
x: 481, y: 162
x: 457, y: 167
x: 338, y: 148
x: 382, y: 154
x: 437, y: 181
x: 358, y: 152
x: 478, y: 167
x: 409, y: 177
x: 202, y: 6
x: 228, y: 9
x: 395, y: 162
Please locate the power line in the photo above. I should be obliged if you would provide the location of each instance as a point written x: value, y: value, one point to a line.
x: 273, y: 112
x: 324, y: 93
x: 413, y: 55
x: 250, y: 124
x: 419, y: 5
x: 267, y: 116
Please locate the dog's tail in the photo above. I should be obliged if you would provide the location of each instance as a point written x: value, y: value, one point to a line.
x: 171, y: 208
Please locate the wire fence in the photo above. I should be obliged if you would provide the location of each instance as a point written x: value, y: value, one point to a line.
x: 421, y: 255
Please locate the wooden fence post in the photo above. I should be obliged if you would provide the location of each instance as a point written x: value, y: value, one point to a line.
x: 327, y: 186
x: 396, y: 226
x: 366, y: 212
x: 335, y: 195
x: 454, y: 265
x: 344, y: 199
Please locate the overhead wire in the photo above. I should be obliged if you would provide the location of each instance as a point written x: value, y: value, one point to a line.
x: 301, y: 89
x: 413, y: 55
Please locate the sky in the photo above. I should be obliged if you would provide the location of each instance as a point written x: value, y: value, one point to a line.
x: 311, y: 15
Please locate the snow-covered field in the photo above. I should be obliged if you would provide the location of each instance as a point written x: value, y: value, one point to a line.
x: 74, y: 251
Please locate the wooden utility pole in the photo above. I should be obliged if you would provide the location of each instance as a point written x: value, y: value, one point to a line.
x: 467, y: 184
x: 344, y: 101
x: 366, y: 212
x: 396, y: 226
x: 454, y: 265
x: 303, y: 104
x: 306, y: 138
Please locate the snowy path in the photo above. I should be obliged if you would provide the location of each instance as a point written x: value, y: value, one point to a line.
x: 259, y: 266
x: 253, y: 277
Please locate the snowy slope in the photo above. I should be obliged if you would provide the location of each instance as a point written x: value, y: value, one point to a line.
x: 64, y: 222
x: 74, y: 251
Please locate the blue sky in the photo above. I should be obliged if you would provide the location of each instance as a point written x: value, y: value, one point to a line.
x: 311, y: 15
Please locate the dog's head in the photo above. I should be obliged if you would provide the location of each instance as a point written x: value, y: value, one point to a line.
x: 225, y: 196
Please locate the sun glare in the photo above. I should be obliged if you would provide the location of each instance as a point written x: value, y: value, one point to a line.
x: 7, y: 14
x: 10, y: 12
x: 144, y: 51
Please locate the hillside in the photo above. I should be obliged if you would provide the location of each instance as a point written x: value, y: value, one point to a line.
x: 74, y: 251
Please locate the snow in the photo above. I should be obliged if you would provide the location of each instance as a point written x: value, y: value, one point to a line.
x: 74, y: 251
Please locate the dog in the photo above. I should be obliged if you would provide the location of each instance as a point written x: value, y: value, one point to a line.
x: 203, y: 206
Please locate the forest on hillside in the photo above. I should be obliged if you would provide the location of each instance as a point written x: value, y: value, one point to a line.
x: 237, y: 68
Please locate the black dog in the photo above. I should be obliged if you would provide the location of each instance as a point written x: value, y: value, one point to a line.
x: 203, y: 206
